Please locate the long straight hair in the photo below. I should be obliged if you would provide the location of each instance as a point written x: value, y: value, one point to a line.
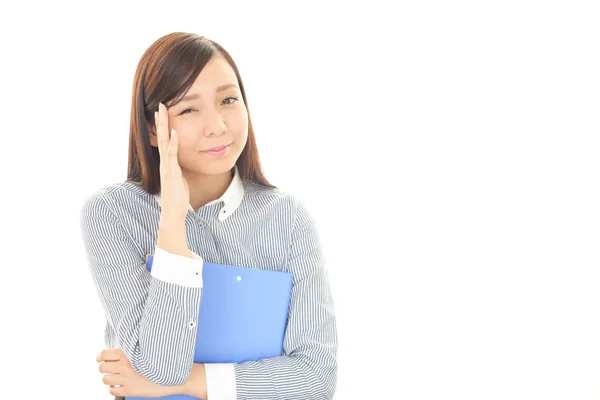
x: 166, y: 71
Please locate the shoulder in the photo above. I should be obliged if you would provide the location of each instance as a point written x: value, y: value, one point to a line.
x: 277, y: 201
x: 110, y: 200
x: 256, y: 192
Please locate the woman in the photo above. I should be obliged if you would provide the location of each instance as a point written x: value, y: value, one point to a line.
x: 195, y: 192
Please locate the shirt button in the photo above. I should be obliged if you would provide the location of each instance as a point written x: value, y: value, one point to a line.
x: 192, y: 324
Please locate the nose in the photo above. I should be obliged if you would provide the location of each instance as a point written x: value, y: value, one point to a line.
x: 214, y: 123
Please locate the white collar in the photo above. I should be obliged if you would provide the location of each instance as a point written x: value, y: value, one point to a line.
x: 231, y: 199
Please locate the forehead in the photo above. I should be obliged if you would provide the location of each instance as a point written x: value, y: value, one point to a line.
x: 215, y: 73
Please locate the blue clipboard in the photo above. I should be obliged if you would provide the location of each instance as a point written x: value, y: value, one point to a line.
x: 243, y: 315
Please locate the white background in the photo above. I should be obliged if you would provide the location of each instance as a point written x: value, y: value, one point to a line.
x: 448, y: 150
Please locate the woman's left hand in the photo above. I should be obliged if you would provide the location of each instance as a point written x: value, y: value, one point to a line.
x: 119, y: 371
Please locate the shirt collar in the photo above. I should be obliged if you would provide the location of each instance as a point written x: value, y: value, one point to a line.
x: 232, y: 198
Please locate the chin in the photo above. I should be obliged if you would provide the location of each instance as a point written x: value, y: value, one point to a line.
x: 215, y: 168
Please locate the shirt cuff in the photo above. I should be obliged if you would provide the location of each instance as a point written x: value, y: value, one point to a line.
x: 180, y: 270
x: 220, y: 381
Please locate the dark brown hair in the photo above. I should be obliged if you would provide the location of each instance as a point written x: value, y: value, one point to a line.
x: 166, y: 71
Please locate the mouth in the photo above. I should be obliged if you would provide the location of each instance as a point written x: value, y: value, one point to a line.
x: 217, y: 151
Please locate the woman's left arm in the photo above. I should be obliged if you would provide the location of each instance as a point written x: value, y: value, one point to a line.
x: 308, y: 368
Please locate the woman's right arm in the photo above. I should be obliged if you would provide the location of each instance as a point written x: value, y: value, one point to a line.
x: 140, y: 305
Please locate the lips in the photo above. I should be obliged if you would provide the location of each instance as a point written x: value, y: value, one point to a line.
x: 217, y: 149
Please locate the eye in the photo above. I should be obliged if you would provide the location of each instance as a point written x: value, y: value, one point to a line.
x: 186, y: 111
x: 230, y: 100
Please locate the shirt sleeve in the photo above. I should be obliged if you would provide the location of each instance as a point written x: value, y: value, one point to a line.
x: 220, y: 381
x: 308, y: 367
x: 176, y: 269
x: 137, y: 304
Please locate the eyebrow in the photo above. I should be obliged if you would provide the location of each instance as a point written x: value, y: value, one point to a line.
x: 219, y: 89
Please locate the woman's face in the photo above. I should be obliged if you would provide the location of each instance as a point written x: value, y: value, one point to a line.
x: 211, y: 115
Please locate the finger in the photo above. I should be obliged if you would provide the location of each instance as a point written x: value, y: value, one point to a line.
x: 109, y: 355
x: 163, y: 127
x: 173, y: 145
x: 118, y: 391
x: 113, y: 379
x: 159, y: 138
x: 110, y: 367
x: 156, y: 129
x: 100, y: 356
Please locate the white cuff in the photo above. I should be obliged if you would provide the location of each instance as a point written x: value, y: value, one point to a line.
x: 180, y: 270
x: 220, y: 382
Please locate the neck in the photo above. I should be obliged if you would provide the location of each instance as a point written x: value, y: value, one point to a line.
x: 206, y: 188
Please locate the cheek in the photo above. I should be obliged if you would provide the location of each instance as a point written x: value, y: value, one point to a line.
x: 185, y: 137
x: 237, y: 124
x: 187, y: 142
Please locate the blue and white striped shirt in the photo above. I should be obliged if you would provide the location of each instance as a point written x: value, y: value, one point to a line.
x: 153, y: 316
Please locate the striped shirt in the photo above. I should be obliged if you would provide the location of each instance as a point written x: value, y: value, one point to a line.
x: 153, y: 315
